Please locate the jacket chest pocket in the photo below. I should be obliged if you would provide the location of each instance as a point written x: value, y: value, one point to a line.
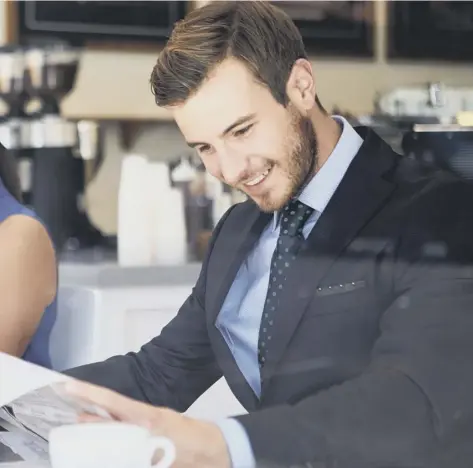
x: 340, y: 288
x: 334, y: 298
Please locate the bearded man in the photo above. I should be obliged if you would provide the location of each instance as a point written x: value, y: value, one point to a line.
x: 337, y: 301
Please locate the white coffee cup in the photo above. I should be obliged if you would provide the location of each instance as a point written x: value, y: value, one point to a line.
x: 108, y: 445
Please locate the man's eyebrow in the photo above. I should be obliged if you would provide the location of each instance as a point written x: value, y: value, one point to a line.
x: 239, y: 121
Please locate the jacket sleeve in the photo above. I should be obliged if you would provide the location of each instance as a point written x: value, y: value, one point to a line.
x: 413, y: 406
x: 174, y: 368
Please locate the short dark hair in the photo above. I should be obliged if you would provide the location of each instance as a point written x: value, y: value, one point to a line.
x: 257, y: 33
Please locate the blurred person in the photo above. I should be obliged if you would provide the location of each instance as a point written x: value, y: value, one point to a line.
x: 28, y: 278
x: 337, y: 302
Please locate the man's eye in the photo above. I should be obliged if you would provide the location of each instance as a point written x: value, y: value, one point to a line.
x: 243, y: 131
x: 203, y: 149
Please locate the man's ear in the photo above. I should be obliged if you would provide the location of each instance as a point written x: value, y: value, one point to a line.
x: 300, y: 87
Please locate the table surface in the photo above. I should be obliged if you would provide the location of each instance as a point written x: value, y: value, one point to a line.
x: 111, y: 275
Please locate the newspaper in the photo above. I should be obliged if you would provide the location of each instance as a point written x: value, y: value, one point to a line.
x: 31, y: 404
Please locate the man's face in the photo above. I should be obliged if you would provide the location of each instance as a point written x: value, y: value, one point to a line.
x: 246, y: 138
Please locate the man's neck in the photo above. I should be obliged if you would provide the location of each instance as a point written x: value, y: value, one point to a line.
x: 328, y: 131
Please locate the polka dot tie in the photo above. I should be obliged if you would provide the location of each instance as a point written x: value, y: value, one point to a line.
x: 292, y: 220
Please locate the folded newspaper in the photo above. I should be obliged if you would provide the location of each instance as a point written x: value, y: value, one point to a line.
x: 31, y: 404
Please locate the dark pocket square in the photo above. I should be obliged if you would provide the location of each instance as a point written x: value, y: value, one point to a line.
x: 340, y: 288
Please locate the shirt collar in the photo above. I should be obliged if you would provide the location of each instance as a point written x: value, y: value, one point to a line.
x: 323, y: 185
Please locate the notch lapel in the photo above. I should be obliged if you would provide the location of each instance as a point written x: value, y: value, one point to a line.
x: 360, y: 195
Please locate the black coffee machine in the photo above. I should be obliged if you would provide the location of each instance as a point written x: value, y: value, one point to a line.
x: 445, y: 146
x: 46, y: 145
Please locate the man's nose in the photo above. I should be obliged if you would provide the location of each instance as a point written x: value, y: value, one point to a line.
x: 234, y: 168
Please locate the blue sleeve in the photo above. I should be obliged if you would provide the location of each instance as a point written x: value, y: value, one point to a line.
x: 238, y: 443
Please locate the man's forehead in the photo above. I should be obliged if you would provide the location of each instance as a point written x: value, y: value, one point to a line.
x: 228, y: 94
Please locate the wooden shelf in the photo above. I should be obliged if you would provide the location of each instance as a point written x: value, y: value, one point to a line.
x: 161, y: 116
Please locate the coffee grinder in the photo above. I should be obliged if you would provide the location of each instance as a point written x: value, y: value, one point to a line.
x: 58, y: 171
x: 15, y: 122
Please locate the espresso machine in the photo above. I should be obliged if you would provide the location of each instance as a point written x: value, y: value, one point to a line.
x: 48, y: 148
x: 424, y: 123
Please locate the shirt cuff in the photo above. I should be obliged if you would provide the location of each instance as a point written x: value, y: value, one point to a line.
x: 238, y: 443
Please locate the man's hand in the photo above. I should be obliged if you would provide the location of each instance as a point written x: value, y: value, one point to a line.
x: 197, y: 443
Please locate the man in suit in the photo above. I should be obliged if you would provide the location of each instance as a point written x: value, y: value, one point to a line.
x: 337, y: 302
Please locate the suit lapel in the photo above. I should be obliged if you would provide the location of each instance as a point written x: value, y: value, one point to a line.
x: 235, y: 245
x: 361, y: 194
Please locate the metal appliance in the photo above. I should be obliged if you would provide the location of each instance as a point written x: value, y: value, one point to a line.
x: 433, y: 100
x: 449, y: 147
x: 420, y: 122
x: 15, y: 122
x: 46, y: 145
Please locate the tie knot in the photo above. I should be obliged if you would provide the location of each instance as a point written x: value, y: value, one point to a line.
x: 293, y: 218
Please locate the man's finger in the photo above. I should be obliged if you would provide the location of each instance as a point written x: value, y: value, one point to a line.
x: 118, y: 406
x: 110, y: 401
x: 90, y: 418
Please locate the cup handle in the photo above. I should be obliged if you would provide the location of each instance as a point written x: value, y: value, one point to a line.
x: 167, y: 447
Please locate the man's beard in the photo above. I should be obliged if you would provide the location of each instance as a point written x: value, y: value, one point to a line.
x: 300, y: 164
